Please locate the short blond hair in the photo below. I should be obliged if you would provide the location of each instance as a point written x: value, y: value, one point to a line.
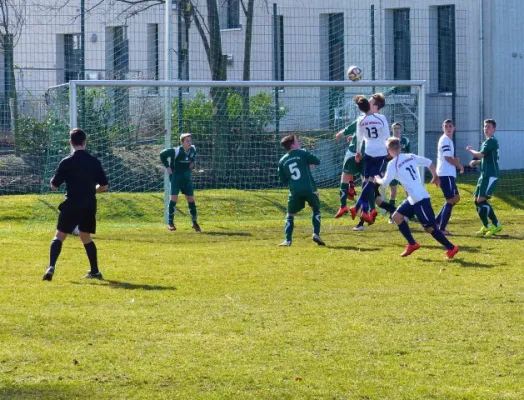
x: 184, y: 135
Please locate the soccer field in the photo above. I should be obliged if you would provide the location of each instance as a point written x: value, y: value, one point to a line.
x: 226, y: 314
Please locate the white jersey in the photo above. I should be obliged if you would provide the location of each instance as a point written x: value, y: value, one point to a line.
x: 404, y: 168
x: 374, y: 130
x: 445, y: 149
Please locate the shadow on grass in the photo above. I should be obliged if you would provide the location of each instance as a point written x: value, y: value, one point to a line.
x: 211, y: 233
x: 353, y: 248
x: 44, y: 391
x: 125, y: 285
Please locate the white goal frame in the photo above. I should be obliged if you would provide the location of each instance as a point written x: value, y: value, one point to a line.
x: 419, y: 85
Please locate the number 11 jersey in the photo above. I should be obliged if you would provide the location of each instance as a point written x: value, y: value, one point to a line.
x: 404, y: 168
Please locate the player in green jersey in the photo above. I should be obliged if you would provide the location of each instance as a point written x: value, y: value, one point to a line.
x: 488, y: 159
x: 179, y: 161
x: 350, y: 168
x: 294, y: 169
x: 405, y: 147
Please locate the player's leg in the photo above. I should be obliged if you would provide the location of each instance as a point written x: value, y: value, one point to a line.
x: 426, y: 217
x: 67, y: 221
x: 190, y: 197
x: 451, y: 194
x: 295, y: 203
x: 405, y: 210
x: 496, y: 225
x: 392, y: 196
x: 173, y: 198
x: 87, y: 226
x: 345, y: 180
x: 314, y: 202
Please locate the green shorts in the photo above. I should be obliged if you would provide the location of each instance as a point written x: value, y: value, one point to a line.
x: 351, y: 166
x: 486, y: 186
x: 181, y: 183
x: 297, y: 201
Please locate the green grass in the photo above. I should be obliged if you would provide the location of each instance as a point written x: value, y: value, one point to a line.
x: 227, y: 314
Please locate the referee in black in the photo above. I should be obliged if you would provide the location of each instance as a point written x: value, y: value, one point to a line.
x: 84, y: 177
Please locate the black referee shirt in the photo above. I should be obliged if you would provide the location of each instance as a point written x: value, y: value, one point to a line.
x: 81, y: 172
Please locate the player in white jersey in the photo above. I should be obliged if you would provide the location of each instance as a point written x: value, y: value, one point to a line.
x: 372, y: 128
x: 447, y: 165
x: 404, y: 168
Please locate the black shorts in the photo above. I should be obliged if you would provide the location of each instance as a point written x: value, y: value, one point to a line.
x: 73, y: 215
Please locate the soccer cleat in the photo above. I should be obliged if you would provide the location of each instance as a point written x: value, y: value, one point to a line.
x: 341, y: 211
x: 373, y: 215
x: 196, y: 227
x: 48, y: 276
x: 351, y: 193
x: 493, y: 230
x: 171, y: 227
x: 390, y: 221
x: 410, y: 248
x: 353, y: 212
x: 445, y: 232
x: 317, y: 240
x: 451, y: 253
x: 285, y: 243
x: 366, y: 218
x: 482, y: 231
x: 91, y: 275
x: 358, y: 228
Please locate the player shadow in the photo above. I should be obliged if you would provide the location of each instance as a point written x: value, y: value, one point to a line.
x: 463, y: 263
x: 126, y: 285
x: 354, y: 248
x: 215, y: 233
x: 279, y: 205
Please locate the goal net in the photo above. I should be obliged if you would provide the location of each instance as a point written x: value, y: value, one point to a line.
x: 236, y: 129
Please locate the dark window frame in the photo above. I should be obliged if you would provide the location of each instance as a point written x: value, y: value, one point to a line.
x: 446, y: 43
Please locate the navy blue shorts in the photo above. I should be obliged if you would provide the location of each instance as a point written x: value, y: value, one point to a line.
x: 421, y: 209
x: 373, y: 165
x: 448, y: 186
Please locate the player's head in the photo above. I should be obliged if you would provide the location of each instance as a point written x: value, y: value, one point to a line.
x: 393, y: 145
x: 448, y: 127
x: 377, y: 102
x: 362, y: 103
x: 186, y: 140
x: 490, y: 126
x: 77, y: 137
x: 396, y: 127
x: 290, y: 142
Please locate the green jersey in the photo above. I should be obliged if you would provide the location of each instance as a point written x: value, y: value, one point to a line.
x: 294, y: 169
x: 178, y: 159
x: 404, y: 145
x: 353, y: 145
x: 489, y: 165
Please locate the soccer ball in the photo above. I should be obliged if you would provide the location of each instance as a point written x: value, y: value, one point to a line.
x: 354, y: 73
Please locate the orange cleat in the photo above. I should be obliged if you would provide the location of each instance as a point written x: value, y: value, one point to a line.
x: 367, y: 218
x: 171, y: 227
x: 410, y: 248
x: 451, y: 253
x: 353, y: 211
x: 373, y: 214
x: 342, y: 211
x: 351, y: 193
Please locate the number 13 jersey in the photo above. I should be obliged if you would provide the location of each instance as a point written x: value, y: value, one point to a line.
x: 404, y: 168
x: 374, y: 130
x: 293, y: 168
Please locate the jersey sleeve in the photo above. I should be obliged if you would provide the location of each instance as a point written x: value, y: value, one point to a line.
x: 391, y: 172
x: 488, y: 146
x: 165, y: 155
x: 312, y: 159
x: 422, y: 161
x: 284, y: 178
x: 101, y: 177
x: 351, y: 129
x: 445, y: 147
x: 360, y: 135
x: 60, y: 174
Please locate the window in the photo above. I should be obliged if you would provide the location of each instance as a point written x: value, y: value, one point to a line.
x: 153, y: 70
x: 6, y: 78
x: 229, y: 14
x: 446, y: 48
x: 72, y: 57
x: 336, y: 62
x: 279, y: 49
x: 120, y: 64
x: 401, y: 46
